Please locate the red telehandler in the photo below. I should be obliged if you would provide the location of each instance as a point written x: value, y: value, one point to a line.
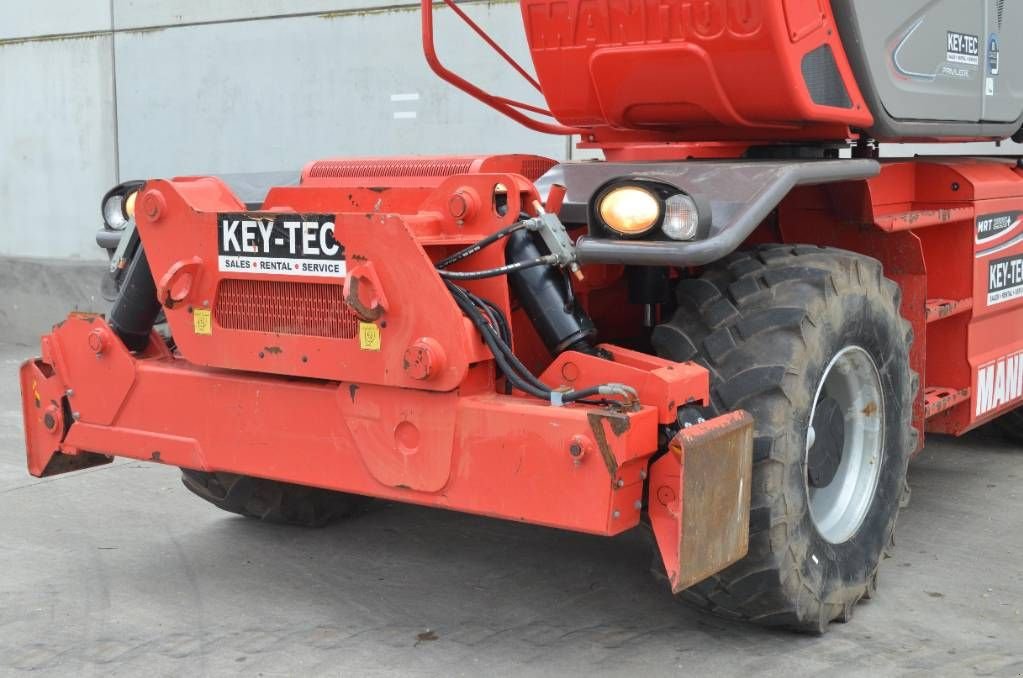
x: 733, y: 331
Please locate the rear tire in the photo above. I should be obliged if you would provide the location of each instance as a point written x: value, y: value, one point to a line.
x: 270, y: 500
x: 789, y: 333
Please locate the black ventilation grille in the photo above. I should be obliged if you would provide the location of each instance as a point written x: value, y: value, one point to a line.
x: 823, y: 81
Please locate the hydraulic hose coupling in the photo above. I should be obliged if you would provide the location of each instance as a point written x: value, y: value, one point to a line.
x: 626, y: 396
x: 555, y: 237
x: 629, y: 395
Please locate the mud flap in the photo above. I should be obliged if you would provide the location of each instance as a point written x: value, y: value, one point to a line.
x: 700, y: 498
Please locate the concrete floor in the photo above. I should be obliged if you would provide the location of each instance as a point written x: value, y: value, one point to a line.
x: 120, y: 571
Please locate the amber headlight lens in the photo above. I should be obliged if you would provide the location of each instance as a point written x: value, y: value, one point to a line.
x: 630, y: 210
x: 129, y: 204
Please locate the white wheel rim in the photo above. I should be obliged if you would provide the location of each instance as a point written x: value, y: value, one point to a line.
x: 852, y: 380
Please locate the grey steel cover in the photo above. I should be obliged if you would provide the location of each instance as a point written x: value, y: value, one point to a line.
x: 933, y: 69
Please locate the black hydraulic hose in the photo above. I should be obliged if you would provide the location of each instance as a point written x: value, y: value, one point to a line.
x: 476, y: 247
x: 548, y: 260
x: 492, y: 342
x: 574, y: 396
x: 496, y: 332
x: 503, y: 328
x: 518, y: 375
x: 463, y: 297
x: 488, y: 315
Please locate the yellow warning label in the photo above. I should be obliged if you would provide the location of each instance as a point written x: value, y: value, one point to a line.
x: 369, y: 337
x: 202, y: 321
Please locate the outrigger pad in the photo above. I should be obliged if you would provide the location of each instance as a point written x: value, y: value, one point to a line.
x: 700, y: 498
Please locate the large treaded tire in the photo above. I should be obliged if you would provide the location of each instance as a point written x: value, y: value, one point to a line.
x: 766, y: 323
x: 270, y: 500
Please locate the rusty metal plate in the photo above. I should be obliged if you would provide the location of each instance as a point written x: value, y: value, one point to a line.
x: 700, y: 498
x: 717, y: 462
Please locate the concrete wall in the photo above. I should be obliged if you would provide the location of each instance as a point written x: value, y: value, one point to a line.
x: 96, y: 91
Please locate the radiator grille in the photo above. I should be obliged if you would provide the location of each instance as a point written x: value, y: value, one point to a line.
x: 308, y: 309
x: 530, y: 167
x: 349, y: 169
x: 534, y: 168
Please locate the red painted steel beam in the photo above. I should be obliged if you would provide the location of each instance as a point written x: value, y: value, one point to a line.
x: 577, y: 467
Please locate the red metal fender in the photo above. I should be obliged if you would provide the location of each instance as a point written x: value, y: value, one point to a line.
x: 699, y: 498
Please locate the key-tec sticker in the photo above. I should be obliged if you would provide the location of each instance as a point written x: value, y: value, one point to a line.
x: 963, y: 48
x: 284, y: 244
x: 1005, y: 280
x: 991, y: 226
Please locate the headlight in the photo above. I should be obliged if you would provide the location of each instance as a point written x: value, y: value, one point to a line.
x: 630, y: 210
x: 113, y: 213
x: 118, y: 206
x: 681, y: 218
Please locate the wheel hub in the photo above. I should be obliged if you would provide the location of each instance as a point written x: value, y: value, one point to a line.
x: 826, y: 449
x: 844, y: 444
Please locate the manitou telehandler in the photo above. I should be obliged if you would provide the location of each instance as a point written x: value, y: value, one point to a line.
x: 734, y: 330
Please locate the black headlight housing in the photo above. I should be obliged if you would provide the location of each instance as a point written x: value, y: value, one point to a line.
x: 114, y: 206
x: 672, y: 204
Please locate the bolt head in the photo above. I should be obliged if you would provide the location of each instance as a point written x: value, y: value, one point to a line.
x: 463, y: 205
x: 458, y: 206
x: 570, y: 371
x: 424, y: 359
x: 51, y: 419
x: 70, y: 393
x: 617, y: 514
x: 97, y: 341
x: 578, y: 447
x: 153, y: 205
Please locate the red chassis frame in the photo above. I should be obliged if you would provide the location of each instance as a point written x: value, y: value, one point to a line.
x: 413, y: 409
x: 373, y: 383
